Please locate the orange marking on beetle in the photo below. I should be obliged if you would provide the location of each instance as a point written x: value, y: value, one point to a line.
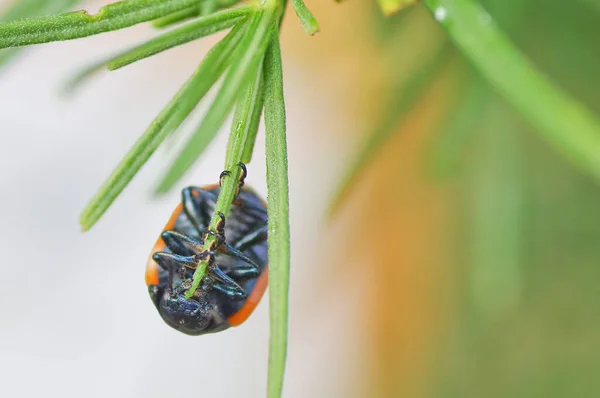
x: 259, y: 289
x: 151, y: 272
x: 159, y: 246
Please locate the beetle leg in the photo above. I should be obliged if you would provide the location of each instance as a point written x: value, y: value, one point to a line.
x: 207, y: 255
x: 251, y: 268
x: 225, y: 284
x: 243, y: 271
x: 243, y: 205
x: 220, y: 229
x: 251, y: 238
x: 241, y: 181
x: 218, y: 233
x: 224, y: 173
x: 181, y: 244
x: 193, y: 210
x: 230, y: 291
x: 174, y: 262
x: 258, y: 235
x: 242, y: 177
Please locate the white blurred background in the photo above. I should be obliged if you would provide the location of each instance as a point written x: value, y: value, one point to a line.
x: 75, y: 317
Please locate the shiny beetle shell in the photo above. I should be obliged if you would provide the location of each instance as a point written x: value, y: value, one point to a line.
x: 210, y: 309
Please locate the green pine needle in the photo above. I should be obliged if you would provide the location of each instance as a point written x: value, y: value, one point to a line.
x: 249, y: 55
x: 28, y: 8
x: 278, y: 212
x: 309, y: 23
x: 185, y: 34
x: 247, y: 114
x: 79, y: 24
x: 209, y: 71
x: 177, y: 17
x: 202, y: 27
x: 31, y: 8
x: 205, y: 7
x: 254, y: 124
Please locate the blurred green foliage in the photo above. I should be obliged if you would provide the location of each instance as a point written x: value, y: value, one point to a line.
x: 524, y: 322
x: 524, y: 316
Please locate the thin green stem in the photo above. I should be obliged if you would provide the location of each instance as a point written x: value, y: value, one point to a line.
x: 309, y: 23
x: 241, y: 131
x: 278, y: 212
x: 244, y: 132
x: 255, y: 122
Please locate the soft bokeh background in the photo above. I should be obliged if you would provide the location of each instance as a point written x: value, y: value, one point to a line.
x: 464, y: 262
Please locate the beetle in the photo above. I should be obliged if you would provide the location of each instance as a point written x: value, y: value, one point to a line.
x: 236, y: 276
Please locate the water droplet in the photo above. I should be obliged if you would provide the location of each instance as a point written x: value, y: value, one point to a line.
x: 440, y: 14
